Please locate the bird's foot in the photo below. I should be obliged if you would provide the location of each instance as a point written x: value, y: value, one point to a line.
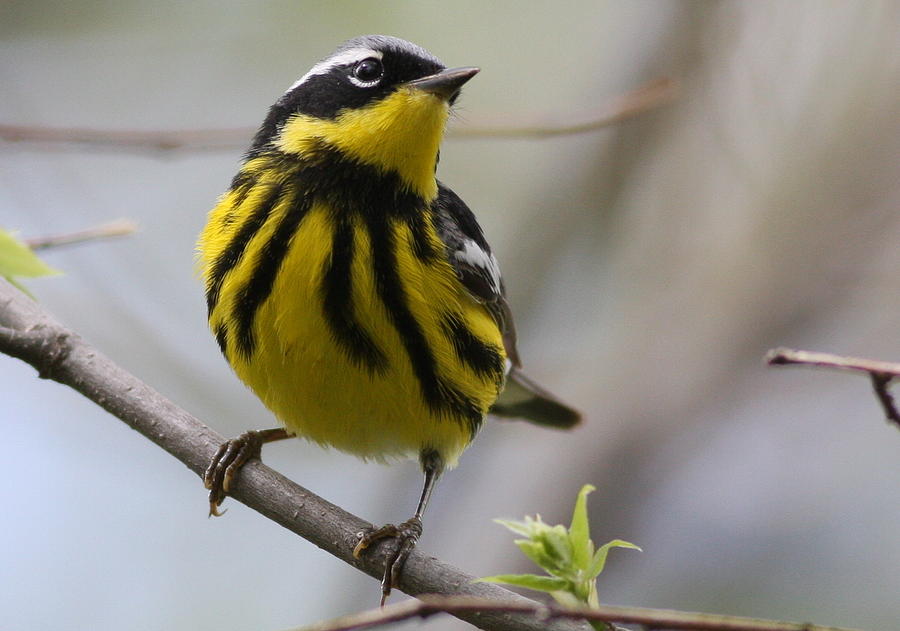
x: 231, y: 456
x: 407, y: 535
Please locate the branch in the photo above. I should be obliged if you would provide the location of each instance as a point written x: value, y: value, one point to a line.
x: 32, y: 335
x: 430, y: 604
x: 118, y: 228
x: 132, y: 140
x: 649, y: 96
x: 881, y: 373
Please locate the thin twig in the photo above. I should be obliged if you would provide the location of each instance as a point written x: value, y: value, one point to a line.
x: 118, y: 228
x: 783, y: 356
x: 649, y: 96
x: 131, y: 140
x: 430, y: 604
x: 32, y: 335
x: 880, y: 372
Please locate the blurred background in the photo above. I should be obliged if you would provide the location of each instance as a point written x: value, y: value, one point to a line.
x: 650, y: 265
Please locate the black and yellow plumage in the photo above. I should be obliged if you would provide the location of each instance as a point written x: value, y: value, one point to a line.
x: 353, y: 292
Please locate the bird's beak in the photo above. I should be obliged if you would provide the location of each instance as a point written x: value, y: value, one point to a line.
x: 446, y: 83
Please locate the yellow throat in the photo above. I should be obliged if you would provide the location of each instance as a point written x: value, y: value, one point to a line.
x: 400, y: 133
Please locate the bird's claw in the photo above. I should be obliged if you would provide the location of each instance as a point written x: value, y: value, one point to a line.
x: 407, y: 535
x: 224, y: 466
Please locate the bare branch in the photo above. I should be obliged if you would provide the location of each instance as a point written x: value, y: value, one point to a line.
x: 31, y: 334
x: 118, y: 228
x: 651, y: 95
x: 783, y: 356
x: 431, y: 604
x: 131, y: 140
x: 880, y: 372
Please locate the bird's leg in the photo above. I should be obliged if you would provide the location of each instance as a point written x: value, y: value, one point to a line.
x: 407, y: 533
x: 232, y: 455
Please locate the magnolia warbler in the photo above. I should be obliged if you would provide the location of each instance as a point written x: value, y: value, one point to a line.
x: 353, y: 292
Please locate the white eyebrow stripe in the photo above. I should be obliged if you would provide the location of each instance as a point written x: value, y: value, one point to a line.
x: 349, y: 56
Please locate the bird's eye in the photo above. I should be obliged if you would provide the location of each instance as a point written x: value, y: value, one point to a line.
x: 367, y: 72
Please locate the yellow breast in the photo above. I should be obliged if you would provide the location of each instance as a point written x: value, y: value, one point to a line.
x: 359, y: 341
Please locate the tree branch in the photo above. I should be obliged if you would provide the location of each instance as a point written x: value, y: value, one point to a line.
x: 195, y: 140
x: 881, y: 373
x: 29, y: 333
x: 431, y: 604
x: 118, y: 228
x: 646, y: 97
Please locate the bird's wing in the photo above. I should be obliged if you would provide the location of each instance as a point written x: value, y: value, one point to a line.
x: 477, y: 269
x: 474, y: 263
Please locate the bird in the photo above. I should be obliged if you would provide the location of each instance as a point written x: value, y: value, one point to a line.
x: 352, y: 291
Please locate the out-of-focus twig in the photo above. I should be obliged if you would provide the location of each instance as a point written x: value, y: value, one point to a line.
x: 130, y: 140
x: 633, y: 103
x: 118, y: 228
x: 881, y: 373
x: 430, y: 604
x: 649, y: 96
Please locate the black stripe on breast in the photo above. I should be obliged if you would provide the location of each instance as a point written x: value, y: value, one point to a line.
x: 423, y: 246
x: 241, y: 185
x: 337, y: 302
x: 364, y: 191
x: 232, y: 254
x: 222, y: 338
x: 358, y: 188
x: 269, y: 260
x: 483, y: 359
x: 441, y: 397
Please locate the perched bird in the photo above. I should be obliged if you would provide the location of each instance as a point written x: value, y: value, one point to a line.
x: 353, y: 292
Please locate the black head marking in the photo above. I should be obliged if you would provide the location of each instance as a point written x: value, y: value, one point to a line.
x: 360, y: 71
x: 329, y: 86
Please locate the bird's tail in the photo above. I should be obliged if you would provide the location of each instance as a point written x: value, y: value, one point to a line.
x: 522, y: 398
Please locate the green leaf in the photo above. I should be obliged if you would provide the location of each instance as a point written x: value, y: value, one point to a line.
x: 17, y: 259
x: 557, y: 548
x: 567, y: 554
x: 547, y: 546
x: 579, y: 531
x: 599, y: 560
x: 518, y: 527
x: 535, y: 551
x: 529, y: 581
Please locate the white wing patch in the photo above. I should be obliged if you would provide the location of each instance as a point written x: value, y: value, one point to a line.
x: 473, y: 255
x: 342, y: 58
